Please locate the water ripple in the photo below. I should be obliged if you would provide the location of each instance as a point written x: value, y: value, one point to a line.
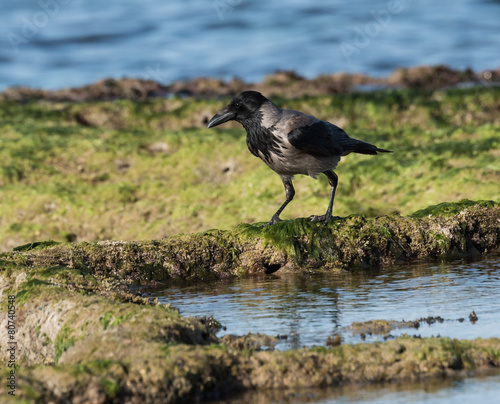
x: 310, y: 308
x: 82, y: 42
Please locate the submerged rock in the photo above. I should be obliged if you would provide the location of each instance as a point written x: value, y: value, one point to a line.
x: 380, y: 327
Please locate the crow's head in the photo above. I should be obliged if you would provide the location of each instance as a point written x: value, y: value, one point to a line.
x: 242, y: 107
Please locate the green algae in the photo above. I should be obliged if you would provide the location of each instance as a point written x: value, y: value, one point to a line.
x: 455, y: 230
x: 35, y: 245
x: 147, y: 168
x: 30, y: 288
x: 297, y: 238
x: 452, y: 208
x: 46, y: 340
x: 63, y: 341
x: 106, y: 319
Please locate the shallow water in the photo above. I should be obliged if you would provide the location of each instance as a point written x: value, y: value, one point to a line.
x: 308, y: 308
x: 61, y: 43
x: 484, y: 389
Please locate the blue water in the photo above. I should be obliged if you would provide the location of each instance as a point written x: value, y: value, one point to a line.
x: 310, y: 308
x: 60, y: 43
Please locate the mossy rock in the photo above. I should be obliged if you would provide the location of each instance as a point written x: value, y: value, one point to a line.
x: 453, y: 230
x: 452, y: 208
x: 147, y: 168
x: 36, y: 245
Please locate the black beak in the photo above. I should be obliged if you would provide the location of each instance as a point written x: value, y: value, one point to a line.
x: 222, y: 116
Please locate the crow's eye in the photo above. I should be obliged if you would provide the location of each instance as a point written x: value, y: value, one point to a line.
x: 237, y: 105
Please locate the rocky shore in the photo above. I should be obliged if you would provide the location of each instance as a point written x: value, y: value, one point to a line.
x: 82, y: 336
x: 286, y: 84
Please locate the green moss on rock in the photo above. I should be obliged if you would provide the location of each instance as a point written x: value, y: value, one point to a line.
x: 454, y: 230
x: 63, y: 341
x: 36, y: 245
x: 106, y: 319
x: 452, y: 208
x: 64, y: 164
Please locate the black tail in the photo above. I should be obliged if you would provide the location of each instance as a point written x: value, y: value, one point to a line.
x: 367, y: 148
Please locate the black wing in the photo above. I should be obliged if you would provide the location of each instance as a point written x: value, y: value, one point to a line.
x: 322, y: 139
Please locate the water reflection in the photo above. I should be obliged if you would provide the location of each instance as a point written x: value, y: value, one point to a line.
x: 308, y: 308
x: 481, y: 389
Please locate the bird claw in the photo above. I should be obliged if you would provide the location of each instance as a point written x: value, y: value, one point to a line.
x: 273, y: 220
x: 316, y: 218
x: 323, y: 218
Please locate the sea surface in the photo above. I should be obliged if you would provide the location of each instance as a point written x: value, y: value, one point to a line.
x: 62, y: 43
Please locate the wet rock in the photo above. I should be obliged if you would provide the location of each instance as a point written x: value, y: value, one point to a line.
x: 71, y: 237
x: 379, y: 327
x: 207, y: 87
x: 462, y: 229
x: 211, y: 323
x: 335, y: 340
x: 473, y: 317
x: 280, y: 83
x: 431, y: 320
x: 103, y: 90
x: 384, y: 327
x: 430, y: 77
x: 254, y: 341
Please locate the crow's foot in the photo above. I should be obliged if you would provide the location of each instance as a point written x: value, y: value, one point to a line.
x: 274, y: 220
x: 323, y: 218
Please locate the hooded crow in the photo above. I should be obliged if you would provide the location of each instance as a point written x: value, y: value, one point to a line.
x: 291, y: 142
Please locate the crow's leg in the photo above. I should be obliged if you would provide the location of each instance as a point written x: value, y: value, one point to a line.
x: 290, y: 192
x: 333, y: 179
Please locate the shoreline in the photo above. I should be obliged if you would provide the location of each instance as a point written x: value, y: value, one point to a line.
x: 281, y: 83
